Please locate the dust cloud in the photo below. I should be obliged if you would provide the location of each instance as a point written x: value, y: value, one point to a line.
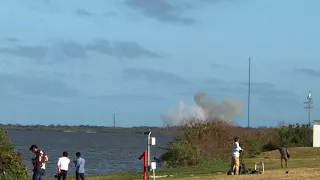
x: 205, y: 109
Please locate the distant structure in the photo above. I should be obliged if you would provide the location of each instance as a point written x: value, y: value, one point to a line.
x: 316, y: 133
x: 309, y: 107
x: 114, y: 119
x: 249, y: 88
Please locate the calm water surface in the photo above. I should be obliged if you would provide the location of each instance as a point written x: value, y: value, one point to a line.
x: 104, y: 152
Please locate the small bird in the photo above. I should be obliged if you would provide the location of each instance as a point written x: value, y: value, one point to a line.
x: 287, y: 172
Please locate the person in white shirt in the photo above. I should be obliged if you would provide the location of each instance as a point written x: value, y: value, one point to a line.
x: 63, y: 165
x: 235, y: 161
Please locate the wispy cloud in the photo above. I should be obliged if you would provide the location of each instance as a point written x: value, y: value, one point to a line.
x: 33, y: 52
x: 215, y: 65
x: 12, y: 39
x: 153, y: 76
x: 214, y: 81
x: 121, y: 49
x: 215, y: 1
x: 63, y: 50
x: 258, y: 85
x: 162, y: 10
x: 35, y: 85
x: 259, y: 89
x: 280, y: 102
x: 128, y: 97
x: 168, y: 11
x: 83, y: 12
x: 308, y: 72
x: 109, y: 14
x: 265, y: 89
x: 69, y: 49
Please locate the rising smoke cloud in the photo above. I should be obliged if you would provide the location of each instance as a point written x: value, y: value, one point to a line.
x: 206, y: 109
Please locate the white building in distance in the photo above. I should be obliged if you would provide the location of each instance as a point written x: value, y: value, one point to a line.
x: 316, y: 133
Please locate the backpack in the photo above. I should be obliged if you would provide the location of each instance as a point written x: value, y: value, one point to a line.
x: 46, y: 158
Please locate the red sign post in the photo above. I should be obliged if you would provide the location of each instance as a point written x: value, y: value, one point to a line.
x: 144, y: 156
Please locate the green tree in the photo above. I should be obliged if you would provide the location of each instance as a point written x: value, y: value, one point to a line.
x: 295, y: 135
x: 12, y: 163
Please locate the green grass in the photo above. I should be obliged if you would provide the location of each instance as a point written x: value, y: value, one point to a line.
x: 209, y: 167
x: 300, y: 158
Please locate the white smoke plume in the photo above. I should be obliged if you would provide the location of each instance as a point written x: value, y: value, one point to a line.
x: 176, y: 117
x: 206, y: 109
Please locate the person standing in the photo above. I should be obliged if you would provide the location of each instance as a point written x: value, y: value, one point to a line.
x: 284, y: 155
x: 79, y: 163
x: 39, y: 162
x: 235, y: 161
x: 63, y: 165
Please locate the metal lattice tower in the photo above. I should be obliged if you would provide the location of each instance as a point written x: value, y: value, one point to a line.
x: 309, y: 107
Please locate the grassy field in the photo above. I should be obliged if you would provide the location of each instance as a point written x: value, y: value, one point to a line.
x: 303, y: 164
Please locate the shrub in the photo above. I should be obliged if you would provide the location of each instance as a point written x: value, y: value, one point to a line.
x: 270, y: 146
x: 182, y: 153
x: 254, y: 148
x: 213, y: 140
x: 14, y: 167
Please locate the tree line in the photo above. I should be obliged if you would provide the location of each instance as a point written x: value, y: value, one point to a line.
x: 92, y: 128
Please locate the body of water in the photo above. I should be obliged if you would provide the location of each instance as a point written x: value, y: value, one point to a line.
x: 104, y: 152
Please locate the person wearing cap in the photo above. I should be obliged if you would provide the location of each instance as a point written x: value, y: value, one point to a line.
x: 79, y: 163
x: 235, y: 161
x: 39, y: 163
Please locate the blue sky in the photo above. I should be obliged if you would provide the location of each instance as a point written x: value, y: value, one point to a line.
x: 77, y: 61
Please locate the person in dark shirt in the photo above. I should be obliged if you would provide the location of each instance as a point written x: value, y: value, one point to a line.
x: 39, y: 163
x: 284, y: 153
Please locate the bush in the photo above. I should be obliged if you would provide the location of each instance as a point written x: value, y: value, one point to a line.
x: 182, y: 153
x: 270, y: 146
x: 213, y: 140
x: 14, y: 167
x: 254, y: 148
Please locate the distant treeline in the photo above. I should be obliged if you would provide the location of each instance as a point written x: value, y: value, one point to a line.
x: 88, y: 128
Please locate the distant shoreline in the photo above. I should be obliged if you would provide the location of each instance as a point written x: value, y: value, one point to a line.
x: 91, y: 129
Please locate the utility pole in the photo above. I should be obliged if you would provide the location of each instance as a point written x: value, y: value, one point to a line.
x: 249, y: 88
x: 309, y: 107
x: 114, y: 119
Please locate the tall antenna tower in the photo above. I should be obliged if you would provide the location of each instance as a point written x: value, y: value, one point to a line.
x: 249, y: 88
x: 309, y: 107
x: 114, y: 119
